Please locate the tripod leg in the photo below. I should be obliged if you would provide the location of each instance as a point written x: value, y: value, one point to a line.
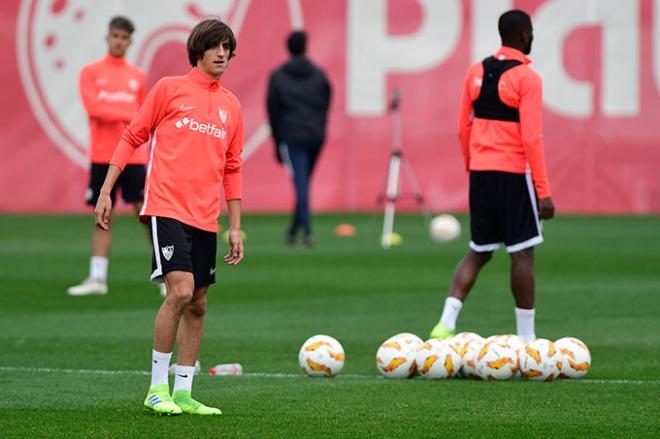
x: 417, y: 190
x: 388, y: 226
x: 392, y: 195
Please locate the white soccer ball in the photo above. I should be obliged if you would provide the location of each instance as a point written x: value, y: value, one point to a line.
x: 496, y: 361
x: 512, y: 341
x: 467, y: 335
x: 408, y: 338
x: 459, y: 340
x: 321, y: 356
x: 540, y: 360
x: 468, y: 353
x: 445, y: 228
x: 395, y: 358
x: 437, y: 359
x: 575, y: 357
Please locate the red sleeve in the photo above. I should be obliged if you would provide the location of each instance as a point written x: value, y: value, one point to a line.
x: 233, y: 180
x: 96, y: 108
x: 145, y: 120
x: 531, y: 130
x: 465, y: 119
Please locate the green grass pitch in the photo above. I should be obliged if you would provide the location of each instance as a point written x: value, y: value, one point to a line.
x: 598, y: 278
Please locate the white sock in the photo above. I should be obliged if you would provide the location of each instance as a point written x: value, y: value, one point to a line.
x: 183, y: 377
x: 525, y: 324
x: 160, y: 363
x: 98, y: 267
x: 450, y: 312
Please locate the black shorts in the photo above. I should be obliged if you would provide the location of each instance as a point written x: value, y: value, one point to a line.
x: 503, y: 210
x: 131, y: 182
x: 178, y: 246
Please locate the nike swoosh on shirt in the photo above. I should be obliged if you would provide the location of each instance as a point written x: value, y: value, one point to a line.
x: 182, y: 376
x: 186, y: 107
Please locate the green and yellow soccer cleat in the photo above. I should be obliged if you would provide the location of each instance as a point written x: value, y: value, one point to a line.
x: 441, y: 331
x: 188, y: 405
x: 159, y: 402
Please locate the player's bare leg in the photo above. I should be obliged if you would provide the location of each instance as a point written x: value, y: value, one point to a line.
x: 189, y: 338
x: 467, y: 272
x: 522, y: 278
x: 96, y: 283
x: 102, y: 241
x: 191, y: 328
x: 180, y: 284
x: 465, y: 276
x: 523, y: 289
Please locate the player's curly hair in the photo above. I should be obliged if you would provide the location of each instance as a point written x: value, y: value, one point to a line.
x: 208, y: 34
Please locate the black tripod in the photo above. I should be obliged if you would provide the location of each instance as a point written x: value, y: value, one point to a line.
x: 397, y: 161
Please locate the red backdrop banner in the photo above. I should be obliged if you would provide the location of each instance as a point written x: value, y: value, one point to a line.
x: 600, y: 62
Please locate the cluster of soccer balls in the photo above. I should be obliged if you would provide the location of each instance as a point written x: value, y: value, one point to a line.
x: 465, y: 355
x: 468, y: 355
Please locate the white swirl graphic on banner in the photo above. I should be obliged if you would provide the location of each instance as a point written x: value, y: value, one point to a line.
x: 55, y: 38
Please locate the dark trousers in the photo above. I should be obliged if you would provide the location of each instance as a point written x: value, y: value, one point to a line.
x: 301, y: 157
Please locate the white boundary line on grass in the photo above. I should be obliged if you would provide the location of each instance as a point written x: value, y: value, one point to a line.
x: 274, y: 375
x: 144, y: 372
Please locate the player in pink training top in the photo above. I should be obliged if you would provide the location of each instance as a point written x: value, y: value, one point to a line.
x: 111, y: 90
x: 196, y: 131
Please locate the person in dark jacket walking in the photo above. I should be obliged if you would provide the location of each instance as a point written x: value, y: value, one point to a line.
x: 298, y: 101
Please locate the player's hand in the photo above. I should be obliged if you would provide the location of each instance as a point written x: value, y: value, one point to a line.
x: 235, y: 254
x: 102, y: 211
x: 546, y: 208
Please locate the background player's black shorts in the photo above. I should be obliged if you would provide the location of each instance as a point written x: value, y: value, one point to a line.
x: 131, y: 182
x: 178, y: 246
x: 503, y: 209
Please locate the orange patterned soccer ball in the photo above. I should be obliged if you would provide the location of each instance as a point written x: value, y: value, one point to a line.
x: 459, y: 340
x: 396, y: 356
x: 321, y: 356
x: 513, y: 341
x: 496, y: 361
x: 438, y: 359
x: 468, y: 354
x: 575, y: 357
x: 540, y: 360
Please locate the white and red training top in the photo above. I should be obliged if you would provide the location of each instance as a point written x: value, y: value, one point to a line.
x: 196, y: 130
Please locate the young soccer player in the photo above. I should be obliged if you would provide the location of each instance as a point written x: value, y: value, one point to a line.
x: 112, y: 90
x: 501, y: 135
x: 196, y: 130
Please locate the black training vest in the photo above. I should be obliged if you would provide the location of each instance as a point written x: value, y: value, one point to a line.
x: 489, y: 105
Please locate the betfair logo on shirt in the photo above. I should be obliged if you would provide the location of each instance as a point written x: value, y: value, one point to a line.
x: 204, y: 128
x: 116, y: 96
